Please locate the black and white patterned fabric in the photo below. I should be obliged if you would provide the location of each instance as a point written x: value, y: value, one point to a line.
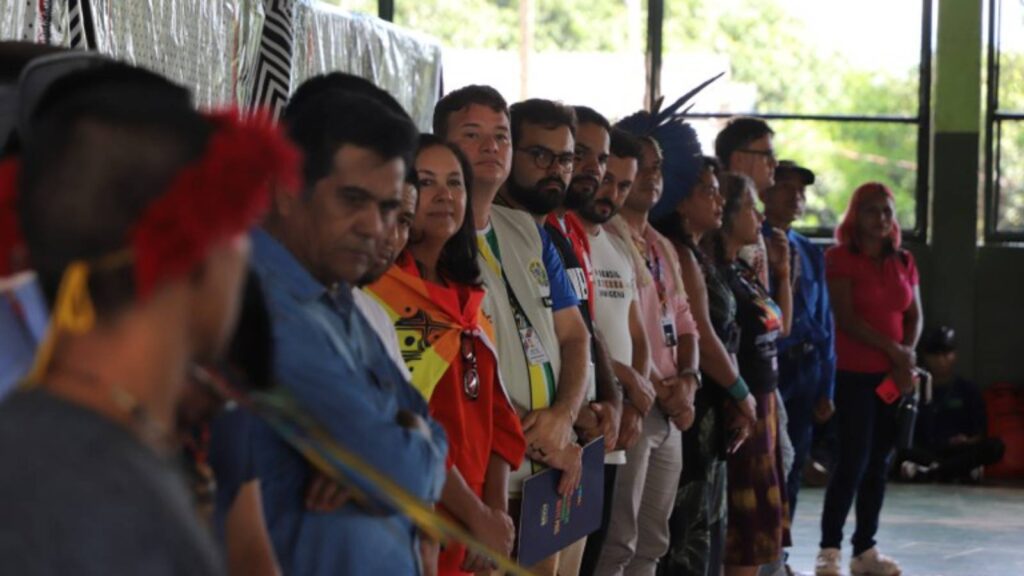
x: 274, y: 61
x: 80, y: 27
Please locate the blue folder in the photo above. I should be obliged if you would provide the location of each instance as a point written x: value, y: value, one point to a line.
x: 549, y: 522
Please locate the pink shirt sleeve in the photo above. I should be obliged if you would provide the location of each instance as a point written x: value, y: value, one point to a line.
x: 685, y: 324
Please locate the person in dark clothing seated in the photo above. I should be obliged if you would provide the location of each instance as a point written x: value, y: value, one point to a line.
x: 950, y: 442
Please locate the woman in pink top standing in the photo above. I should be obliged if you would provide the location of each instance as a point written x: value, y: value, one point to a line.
x: 876, y: 301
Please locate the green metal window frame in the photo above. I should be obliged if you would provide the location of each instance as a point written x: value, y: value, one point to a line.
x: 995, y: 119
x: 655, y: 26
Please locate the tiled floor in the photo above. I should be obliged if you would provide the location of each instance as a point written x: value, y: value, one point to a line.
x: 931, y: 530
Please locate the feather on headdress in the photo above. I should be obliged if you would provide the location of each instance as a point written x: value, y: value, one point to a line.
x: 679, y: 145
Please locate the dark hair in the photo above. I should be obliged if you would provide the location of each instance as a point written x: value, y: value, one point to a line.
x: 251, y: 350
x: 320, y: 124
x: 15, y: 55
x: 346, y: 84
x: 625, y: 145
x: 587, y: 115
x: 671, y: 226
x: 738, y: 133
x: 733, y: 186
x: 80, y: 201
x: 458, y: 261
x: 463, y: 98
x: 546, y: 113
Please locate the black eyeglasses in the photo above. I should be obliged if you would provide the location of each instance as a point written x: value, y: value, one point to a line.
x: 470, y: 376
x: 770, y: 154
x: 543, y: 157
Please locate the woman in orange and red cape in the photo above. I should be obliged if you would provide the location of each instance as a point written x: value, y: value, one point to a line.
x: 434, y: 297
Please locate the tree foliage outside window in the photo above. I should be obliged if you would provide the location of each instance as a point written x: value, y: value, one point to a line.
x: 1008, y: 147
x: 775, y: 53
x: 774, y: 62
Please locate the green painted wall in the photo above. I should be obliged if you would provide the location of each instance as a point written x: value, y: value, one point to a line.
x: 957, y: 82
x: 979, y: 290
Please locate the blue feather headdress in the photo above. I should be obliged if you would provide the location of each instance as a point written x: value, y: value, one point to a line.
x: 679, y: 145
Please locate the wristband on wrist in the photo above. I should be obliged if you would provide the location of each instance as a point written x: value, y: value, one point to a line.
x: 692, y: 372
x: 738, y: 390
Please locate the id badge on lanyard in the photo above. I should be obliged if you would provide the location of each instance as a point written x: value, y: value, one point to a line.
x: 668, y: 326
x: 533, y: 347
x: 668, y: 321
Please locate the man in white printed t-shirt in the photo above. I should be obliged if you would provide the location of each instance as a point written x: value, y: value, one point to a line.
x: 617, y: 317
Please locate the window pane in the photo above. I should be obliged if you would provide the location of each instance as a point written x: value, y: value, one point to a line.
x: 796, y: 56
x: 1010, y: 178
x: 577, y: 51
x: 843, y: 155
x: 1011, y: 56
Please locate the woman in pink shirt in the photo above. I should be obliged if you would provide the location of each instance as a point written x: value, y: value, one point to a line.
x: 873, y: 285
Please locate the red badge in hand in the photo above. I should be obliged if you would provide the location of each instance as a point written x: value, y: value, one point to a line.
x: 888, y: 391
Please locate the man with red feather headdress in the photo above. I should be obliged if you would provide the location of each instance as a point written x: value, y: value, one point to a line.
x: 138, y: 240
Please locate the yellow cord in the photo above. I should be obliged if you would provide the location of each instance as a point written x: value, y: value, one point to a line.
x: 73, y: 313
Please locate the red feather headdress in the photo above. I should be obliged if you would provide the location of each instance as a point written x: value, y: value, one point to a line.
x: 222, y: 194
x: 219, y: 196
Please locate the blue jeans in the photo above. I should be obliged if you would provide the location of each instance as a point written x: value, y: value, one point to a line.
x: 799, y: 383
x: 867, y: 436
x: 800, y: 408
x: 801, y: 433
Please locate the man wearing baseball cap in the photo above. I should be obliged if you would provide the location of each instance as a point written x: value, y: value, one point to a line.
x: 950, y: 441
x: 806, y: 356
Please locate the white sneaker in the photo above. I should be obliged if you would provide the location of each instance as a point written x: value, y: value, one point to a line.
x: 827, y: 563
x: 908, y: 470
x: 978, y: 474
x: 911, y: 470
x: 871, y: 563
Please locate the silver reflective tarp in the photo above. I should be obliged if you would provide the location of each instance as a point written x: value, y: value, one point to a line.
x: 56, y: 33
x: 211, y: 46
x: 208, y: 46
x: 405, y: 63
x: 17, y: 20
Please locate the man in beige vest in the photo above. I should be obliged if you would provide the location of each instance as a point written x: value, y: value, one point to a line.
x: 543, y: 343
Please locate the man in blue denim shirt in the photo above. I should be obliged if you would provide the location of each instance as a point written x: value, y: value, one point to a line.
x: 807, y: 362
x: 312, y: 248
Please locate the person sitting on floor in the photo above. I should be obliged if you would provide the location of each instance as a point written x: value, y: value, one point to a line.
x: 950, y: 441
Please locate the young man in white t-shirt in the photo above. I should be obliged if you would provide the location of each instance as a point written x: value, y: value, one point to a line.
x: 618, y: 318
x: 616, y: 312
